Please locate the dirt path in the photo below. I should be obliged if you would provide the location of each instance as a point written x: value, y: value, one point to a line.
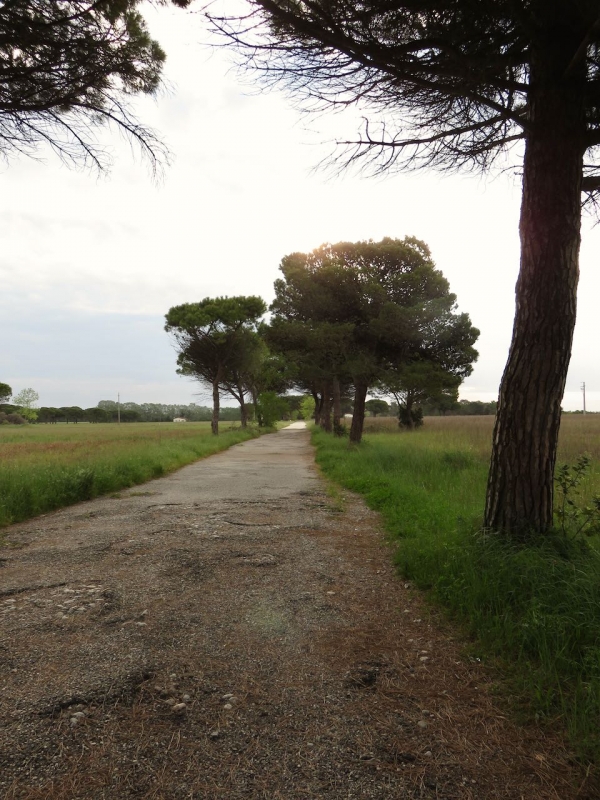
x: 230, y: 632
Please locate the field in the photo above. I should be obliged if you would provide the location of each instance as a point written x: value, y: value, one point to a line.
x: 44, y: 467
x: 579, y: 433
x: 533, y: 609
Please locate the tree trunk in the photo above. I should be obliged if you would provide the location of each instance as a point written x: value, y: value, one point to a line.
x: 326, y: 407
x: 337, y: 406
x: 243, y: 407
x: 520, y: 484
x: 255, y: 403
x: 318, y: 403
x: 214, y: 424
x: 358, y: 412
x: 410, y: 423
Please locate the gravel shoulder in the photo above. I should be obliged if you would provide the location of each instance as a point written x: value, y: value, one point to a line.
x: 230, y: 631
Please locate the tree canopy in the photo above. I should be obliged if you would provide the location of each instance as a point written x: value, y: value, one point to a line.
x: 365, y: 309
x: 26, y: 398
x: 214, y: 338
x: 5, y: 392
x: 420, y: 382
x: 67, y: 67
x: 458, y: 83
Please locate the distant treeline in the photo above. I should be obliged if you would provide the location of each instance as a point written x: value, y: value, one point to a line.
x: 461, y: 408
x: 162, y: 412
x: 445, y: 408
x: 109, y: 411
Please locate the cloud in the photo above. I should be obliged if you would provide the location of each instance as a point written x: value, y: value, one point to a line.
x: 75, y: 358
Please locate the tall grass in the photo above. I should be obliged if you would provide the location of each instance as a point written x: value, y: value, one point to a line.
x: 47, y: 467
x: 535, y: 608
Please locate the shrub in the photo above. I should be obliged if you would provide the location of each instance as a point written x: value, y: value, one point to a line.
x: 11, y: 419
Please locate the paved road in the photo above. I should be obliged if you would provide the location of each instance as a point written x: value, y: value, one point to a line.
x: 231, y: 632
x: 268, y: 467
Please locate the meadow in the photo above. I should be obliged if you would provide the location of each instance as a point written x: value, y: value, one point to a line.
x: 44, y: 467
x: 531, y: 609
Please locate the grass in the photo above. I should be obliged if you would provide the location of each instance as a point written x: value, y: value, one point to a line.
x: 44, y: 467
x: 536, y: 608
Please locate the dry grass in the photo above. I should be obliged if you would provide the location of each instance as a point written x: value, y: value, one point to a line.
x: 579, y: 433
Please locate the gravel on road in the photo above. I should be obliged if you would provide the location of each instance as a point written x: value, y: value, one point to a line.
x: 235, y: 631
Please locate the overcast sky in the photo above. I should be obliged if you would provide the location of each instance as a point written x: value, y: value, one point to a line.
x: 89, y: 265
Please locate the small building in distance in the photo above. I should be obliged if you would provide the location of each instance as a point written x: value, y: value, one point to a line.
x: 179, y: 419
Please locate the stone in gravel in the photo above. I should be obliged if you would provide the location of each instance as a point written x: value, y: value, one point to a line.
x: 227, y: 706
x: 186, y: 698
x: 79, y: 714
x: 421, y: 723
x: 226, y: 697
x: 424, y: 658
x: 427, y: 753
x: 214, y: 734
x: 179, y: 708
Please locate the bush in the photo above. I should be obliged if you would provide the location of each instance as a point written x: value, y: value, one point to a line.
x: 410, y: 419
x: 270, y: 408
x: 11, y: 419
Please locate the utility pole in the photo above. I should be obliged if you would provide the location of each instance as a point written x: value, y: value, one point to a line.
x: 119, y: 407
x: 583, y: 390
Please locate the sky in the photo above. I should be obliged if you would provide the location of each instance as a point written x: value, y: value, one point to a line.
x: 90, y: 264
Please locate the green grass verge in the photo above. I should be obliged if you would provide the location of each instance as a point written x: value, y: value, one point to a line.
x: 535, y: 609
x: 43, y: 468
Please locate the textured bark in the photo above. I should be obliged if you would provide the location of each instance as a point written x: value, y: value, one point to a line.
x: 358, y: 412
x: 410, y: 424
x: 326, y: 407
x: 254, y: 403
x: 520, y: 486
x: 244, y: 412
x: 337, y: 406
x: 214, y: 423
x: 318, y: 404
